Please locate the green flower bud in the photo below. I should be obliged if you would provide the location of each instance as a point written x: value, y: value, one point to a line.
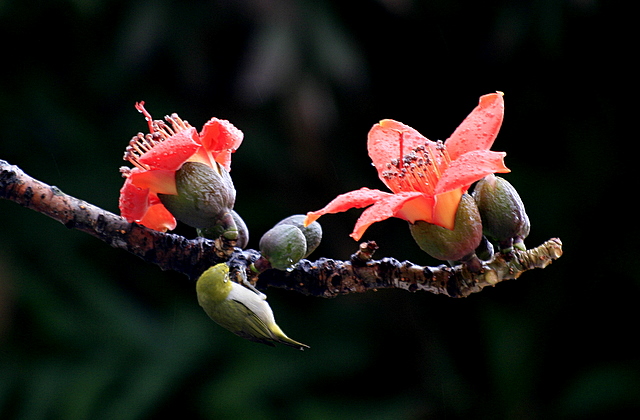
x: 205, y: 195
x: 504, y: 218
x: 451, y: 245
x: 312, y: 233
x: 235, y: 228
x: 283, y: 246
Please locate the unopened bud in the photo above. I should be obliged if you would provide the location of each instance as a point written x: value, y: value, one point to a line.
x: 504, y: 218
x: 451, y: 245
x: 205, y: 195
x: 283, y: 246
x: 312, y: 233
x: 231, y: 226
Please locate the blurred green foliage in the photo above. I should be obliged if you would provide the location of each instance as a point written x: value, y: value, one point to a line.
x: 87, y: 331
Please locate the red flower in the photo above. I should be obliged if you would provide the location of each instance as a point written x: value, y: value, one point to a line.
x: 426, y: 178
x: 158, y: 155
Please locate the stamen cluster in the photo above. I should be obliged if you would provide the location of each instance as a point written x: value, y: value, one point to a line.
x: 418, y: 170
x: 159, y: 132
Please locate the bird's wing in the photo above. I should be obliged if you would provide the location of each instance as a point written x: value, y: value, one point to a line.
x: 253, y: 328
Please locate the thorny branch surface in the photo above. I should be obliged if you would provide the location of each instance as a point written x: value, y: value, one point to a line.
x: 324, y: 277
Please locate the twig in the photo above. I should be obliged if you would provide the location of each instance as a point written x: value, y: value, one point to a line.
x: 324, y: 277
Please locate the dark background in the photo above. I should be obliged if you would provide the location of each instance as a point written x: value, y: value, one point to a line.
x: 87, y: 331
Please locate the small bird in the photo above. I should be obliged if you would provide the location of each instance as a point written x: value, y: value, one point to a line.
x: 239, y: 309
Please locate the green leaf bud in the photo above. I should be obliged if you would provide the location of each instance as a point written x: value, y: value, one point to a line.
x: 451, y: 245
x: 312, y: 233
x: 205, y: 195
x: 504, y: 218
x: 283, y: 246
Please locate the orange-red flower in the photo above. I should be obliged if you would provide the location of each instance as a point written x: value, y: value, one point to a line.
x: 158, y: 155
x: 426, y: 178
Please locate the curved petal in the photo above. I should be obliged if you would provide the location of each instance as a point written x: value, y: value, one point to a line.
x: 390, y: 139
x: 138, y: 205
x: 409, y: 206
x: 414, y: 206
x: 158, y: 218
x: 133, y: 201
x: 157, y: 181
x: 220, y: 138
x: 173, y: 152
x: 354, y: 199
x: 479, y: 130
x: 469, y: 168
x: 445, y: 208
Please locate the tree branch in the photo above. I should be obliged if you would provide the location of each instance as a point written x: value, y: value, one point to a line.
x: 168, y: 251
x: 324, y: 277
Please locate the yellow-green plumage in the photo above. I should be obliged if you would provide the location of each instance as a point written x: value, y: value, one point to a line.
x: 238, y: 309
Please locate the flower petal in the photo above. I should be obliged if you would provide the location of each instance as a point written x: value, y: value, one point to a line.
x: 354, y: 199
x: 469, y: 168
x: 133, y: 202
x: 390, y: 139
x: 220, y: 138
x: 173, y: 152
x: 410, y: 206
x: 414, y: 206
x: 139, y: 205
x: 156, y: 181
x: 158, y: 218
x: 479, y: 130
x: 445, y: 208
